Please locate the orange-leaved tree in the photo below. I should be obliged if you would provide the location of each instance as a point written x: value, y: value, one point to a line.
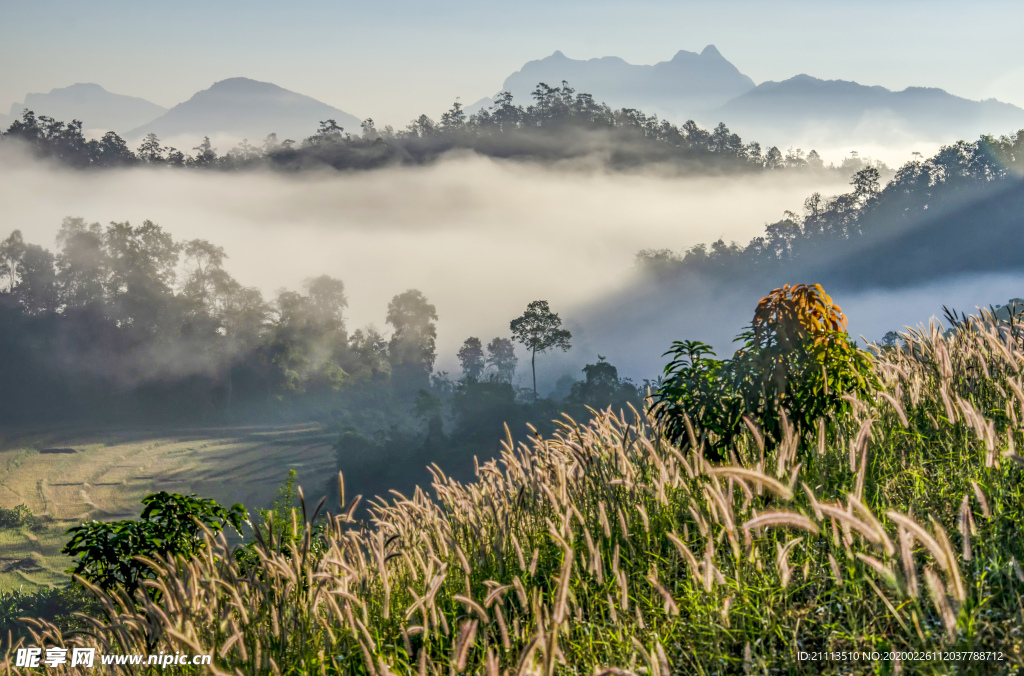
x: 796, y: 356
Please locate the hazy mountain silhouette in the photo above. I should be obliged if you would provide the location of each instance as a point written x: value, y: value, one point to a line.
x: 685, y: 87
x: 98, y: 109
x: 802, y: 110
x: 805, y: 106
x: 244, y: 108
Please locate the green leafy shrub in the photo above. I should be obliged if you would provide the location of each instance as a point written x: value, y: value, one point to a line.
x: 796, y: 361
x: 170, y: 525
x: 17, y: 517
x: 699, y: 387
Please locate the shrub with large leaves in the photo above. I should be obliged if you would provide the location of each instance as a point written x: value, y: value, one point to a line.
x: 170, y: 525
x: 796, y: 358
x: 698, y: 387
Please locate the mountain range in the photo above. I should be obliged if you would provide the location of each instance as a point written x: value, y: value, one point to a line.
x: 94, y: 106
x: 235, y: 108
x: 835, y: 110
x: 705, y: 86
x: 688, y: 85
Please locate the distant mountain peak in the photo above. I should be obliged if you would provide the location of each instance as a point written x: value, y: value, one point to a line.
x: 97, y: 108
x: 930, y: 90
x: 232, y: 81
x: 244, y: 83
x: 91, y: 87
x: 245, y: 108
x: 685, y: 86
x: 683, y: 55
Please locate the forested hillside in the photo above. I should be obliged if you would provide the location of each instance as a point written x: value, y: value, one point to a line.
x: 561, y: 124
x: 949, y: 214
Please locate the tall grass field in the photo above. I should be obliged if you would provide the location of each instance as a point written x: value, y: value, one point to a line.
x: 887, y: 539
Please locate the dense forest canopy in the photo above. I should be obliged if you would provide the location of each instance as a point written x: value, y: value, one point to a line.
x: 560, y: 124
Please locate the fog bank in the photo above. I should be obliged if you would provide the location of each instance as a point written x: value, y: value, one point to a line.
x: 480, y: 238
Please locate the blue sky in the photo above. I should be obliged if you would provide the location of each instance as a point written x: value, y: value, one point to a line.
x: 394, y: 60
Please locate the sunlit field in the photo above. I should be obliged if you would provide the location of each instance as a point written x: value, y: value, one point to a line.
x: 111, y: 470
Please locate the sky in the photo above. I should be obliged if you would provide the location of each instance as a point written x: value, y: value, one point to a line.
x: 392, y: 60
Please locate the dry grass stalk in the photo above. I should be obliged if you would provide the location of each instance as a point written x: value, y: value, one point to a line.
x: 781, y: 519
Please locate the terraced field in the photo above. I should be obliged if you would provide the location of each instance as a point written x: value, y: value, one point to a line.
x: 67, y: 476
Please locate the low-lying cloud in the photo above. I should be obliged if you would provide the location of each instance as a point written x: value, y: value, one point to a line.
x: 481, y: 238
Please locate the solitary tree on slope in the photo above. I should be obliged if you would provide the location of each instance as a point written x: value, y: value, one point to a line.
x: 538, y: 329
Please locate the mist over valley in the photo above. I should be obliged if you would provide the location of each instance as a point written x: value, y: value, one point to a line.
x: 326, y: 351
x: 479, y: 237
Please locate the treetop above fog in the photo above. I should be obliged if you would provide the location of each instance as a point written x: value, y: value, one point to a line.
x: 560, y: 124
